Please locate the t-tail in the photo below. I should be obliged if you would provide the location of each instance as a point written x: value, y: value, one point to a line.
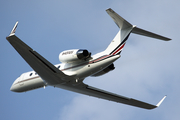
x: 117, y: 44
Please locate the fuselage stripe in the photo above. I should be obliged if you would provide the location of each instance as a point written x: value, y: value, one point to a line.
x: 119, y: 47
x: 90, y: 62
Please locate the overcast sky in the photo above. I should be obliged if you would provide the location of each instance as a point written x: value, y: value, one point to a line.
x: 147, y: 70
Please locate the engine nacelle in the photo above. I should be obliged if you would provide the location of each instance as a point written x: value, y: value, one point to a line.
x: 74, y: 55
x: 104, y: 71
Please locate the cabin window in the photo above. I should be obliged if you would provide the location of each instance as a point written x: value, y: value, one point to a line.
x: 30, y: 74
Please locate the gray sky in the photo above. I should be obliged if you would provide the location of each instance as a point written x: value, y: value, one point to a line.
x: 147, y: 70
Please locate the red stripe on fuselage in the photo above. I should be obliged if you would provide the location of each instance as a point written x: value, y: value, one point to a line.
x: 118, y: 49
x: 86, y: 63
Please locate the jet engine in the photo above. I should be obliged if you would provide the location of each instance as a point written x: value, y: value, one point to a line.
x: 74, y: 55
x: 104, y: 71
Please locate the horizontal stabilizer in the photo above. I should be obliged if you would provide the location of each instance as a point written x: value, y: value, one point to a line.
x: 140, y: 31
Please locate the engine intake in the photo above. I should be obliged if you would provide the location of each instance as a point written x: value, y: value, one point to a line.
x: 81, y: 54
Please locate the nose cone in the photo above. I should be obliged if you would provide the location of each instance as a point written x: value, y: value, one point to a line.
x: 14, y: 88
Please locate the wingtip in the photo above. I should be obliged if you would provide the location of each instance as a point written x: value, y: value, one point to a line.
x: 161, y: 101
x: 109, y: 9
x: 168, y: 39
x: 14, y: 29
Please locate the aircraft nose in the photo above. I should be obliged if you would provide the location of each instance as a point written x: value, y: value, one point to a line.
x: 14, y: 88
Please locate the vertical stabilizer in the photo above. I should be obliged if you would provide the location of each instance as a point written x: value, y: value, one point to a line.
x: 119, y: 41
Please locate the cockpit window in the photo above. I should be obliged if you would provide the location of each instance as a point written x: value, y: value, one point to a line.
x: 58, y: 66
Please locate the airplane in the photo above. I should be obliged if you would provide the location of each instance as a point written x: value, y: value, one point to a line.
x: 77, y: 64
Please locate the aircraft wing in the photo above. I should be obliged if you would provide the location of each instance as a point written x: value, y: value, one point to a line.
x: 95, y: 92
x: 44, y: 68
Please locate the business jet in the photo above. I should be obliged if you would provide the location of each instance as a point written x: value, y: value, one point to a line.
x: 77, y: 64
